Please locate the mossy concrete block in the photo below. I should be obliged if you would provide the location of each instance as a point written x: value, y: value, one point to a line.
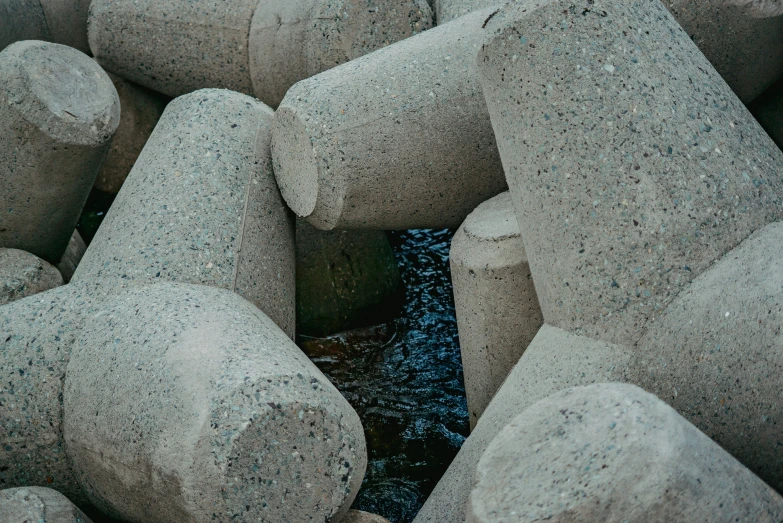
x: 59, y: 112
x: 23, y: 274
x: 38, y: 505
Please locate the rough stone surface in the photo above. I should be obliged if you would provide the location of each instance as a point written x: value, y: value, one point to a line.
x: 59, y: 112
x: 395, y: 139
x: 141, y: 110
x: 38, y: 505
x: 768, y: 110
x: 716, y: 354
x: 555, y: 360
x: 636, y: 167
x: 359, y: 516
x: 174, y: 46
x: 497, y: 309
x: 612, y: 452
x: 201, y: 206
x: 294, y: 40
x: 344, y: 279
x: 72, y: 257
x: 67, y: 22
x: 23, y: 274
x: 219, y: 417
x: 22, y: 20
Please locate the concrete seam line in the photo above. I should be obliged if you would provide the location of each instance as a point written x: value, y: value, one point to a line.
x: 244, y: 223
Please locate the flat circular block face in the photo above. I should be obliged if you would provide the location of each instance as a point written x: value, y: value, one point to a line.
x: 61, y: 91
x: 493, y: 219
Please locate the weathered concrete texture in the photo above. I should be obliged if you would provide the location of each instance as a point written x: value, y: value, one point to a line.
x: 67, y: 22
x: 38, y: 505
x: 201, y: 206
x: 768, y: 111
x: 22, y: 20
x: 612, y: 452
x: 344, y: 279
x: 555, y: 360
x: 448, y: 10
x: 23, y: 274
x: 141, y: 110
x: 174, y: 46
x: 59, y: 112
x: 632, y: 165
x: 359, y: 516
x: 716, y: 354
x: 219, y: 417
x: 396, y: 139
x: 72, y: 257
x: 497, y: 309
x: 294, y: 40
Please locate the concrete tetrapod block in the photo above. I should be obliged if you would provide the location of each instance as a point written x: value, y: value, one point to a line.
x: 716, y: 353
x: 38, y: 505
x: 60, y: 21
x: 59, y: 112
x: 22, y: 20
x: 632, y: 165
x: 23, y: 274
x: 72, y: 257
x: 187, y: 403
x: 396, y: 139
x: 554, y: 360
x: 497, y: 309
x: 294, y: 40
x: 612, y: 452
x: 141, y: 110
x: 201, y: 206
x: 344, y: 280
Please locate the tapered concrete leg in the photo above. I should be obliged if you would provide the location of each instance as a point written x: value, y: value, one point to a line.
x: 201, y: 206
x: 23, y: 274
x: 59, y: 112
x: 497, y: 309
x: 219, y: 417
x: 612, y: 452
x: 35, y: 504
x: 72, y: 257
x: 396, y: 139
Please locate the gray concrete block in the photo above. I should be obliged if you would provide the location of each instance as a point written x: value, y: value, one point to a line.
x: 22, y: 20
x: 554, y: 360
x: 497, y: 309
x: 294, y: 40
x: 612, y: 452
x: 395, y: 139
x: 67, y: 22
x: 23, y: 274
x: 38, y: 505
x: 201, y: 206
x: 631, y: 164
x: 186, y: 403
x: 72, y: 257
x: 60, y: 111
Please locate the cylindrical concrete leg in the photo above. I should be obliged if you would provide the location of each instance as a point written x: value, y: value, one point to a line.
x: 22, y: 20
x: 632, y: 165
x: 36, y: 505
x: 67, y: 22
x: 497, y: 309
x: 396, y: 139
x: 59, y: 112
x: 141, y: 110
x: 201, y: 206
x: 613, y: 452
x: 23, y: 274
x: 291, y: 40
x: 72, y: 257
x: 219, y: 418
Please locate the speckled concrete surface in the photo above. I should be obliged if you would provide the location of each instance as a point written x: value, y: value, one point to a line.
x: 60, y: 111
x: 38, y: 505
x: 141, y: 110
x: 291, y: 40
x: 23, y: 274
x: 554, y: 360
x: 395, y: 139
x: 635, y: 168
x: 201, y: 206
x: 219, y: 417
x: 497, y: 309
x: 613, y: 452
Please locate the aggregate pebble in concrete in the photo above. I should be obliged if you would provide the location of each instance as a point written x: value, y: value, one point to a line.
x: 141, y: 110
x: 201, y: 206
x: 716, y: 354
x: 38, y: 505
x: 59, y: 112
x: 72, y: 257
x: 23, y: 274
x: 187, y: 403
x: 396, y: 139
x: 613, y: 452
x: 497, y: 309
x: 555, y: 360
x: 631, y: 163
x: 291, y: 40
